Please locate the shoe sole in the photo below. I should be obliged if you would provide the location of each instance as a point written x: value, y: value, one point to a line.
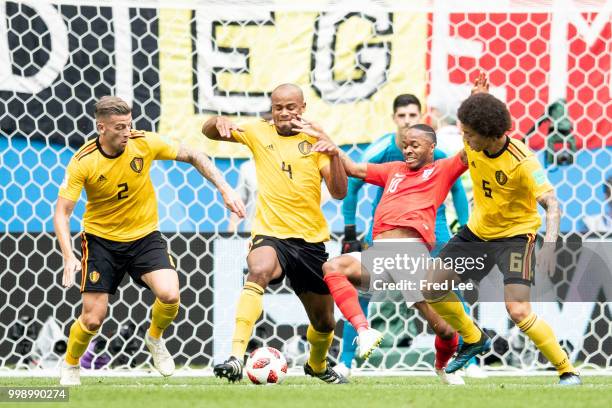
x: 375, y: 345
x: 486, y: 346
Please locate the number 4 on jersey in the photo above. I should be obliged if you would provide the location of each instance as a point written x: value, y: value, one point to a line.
x: 287, y: 168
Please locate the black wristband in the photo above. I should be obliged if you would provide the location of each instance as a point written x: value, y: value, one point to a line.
x: 350, y: 232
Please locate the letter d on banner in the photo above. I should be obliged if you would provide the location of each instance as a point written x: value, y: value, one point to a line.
x: 58, y: 54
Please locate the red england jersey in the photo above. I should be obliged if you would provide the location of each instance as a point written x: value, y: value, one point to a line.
x: 411, y: 198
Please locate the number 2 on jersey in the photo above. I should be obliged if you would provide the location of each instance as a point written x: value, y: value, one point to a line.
x: 123, y: 192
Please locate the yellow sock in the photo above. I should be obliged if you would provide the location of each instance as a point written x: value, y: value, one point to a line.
x: 319, y: 346
x: 78, y: 340
x: 544, y: 338
x: 250, y: 306
x: 450, y: 308
x: 162, y: 315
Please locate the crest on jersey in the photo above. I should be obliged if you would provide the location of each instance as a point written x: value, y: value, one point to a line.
x: 501, y: 177
x: 305, y: 147
x: 427, y: 173
x: 137, y: 164
x: 94, y: 277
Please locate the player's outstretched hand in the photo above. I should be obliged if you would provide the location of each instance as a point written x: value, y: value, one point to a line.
x: 225, y: 127
x: 481, y: 85
x: 71, y: 266
x: 310, y: 128
x: 233, y: 202
x: 546, y: 260
x: 324, y: 144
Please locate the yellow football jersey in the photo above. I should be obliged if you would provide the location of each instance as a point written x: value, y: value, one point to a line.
x: 121, y: 202
x: 505, y: 189
x: 289, y: 182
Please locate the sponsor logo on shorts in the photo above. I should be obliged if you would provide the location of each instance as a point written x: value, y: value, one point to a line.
x: 94, y: 276
x: 258, y: 241
x: 137, y: 164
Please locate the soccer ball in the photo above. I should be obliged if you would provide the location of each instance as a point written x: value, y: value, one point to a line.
x: 266, y: 365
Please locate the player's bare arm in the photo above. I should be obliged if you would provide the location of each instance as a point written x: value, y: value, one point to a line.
x: 351, y: 168
x: 220, y: 128
x: 334, y: 174
x: 61, y: 222
x: 546, y: 258
x: 357, y: 170
x: 207, y: 169
x: 335, y: 178
x: 549, y: 202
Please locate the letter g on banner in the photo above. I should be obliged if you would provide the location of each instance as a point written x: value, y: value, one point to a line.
x: 373, y: 59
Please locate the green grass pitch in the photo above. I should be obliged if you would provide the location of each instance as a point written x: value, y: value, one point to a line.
x: 295, y: 392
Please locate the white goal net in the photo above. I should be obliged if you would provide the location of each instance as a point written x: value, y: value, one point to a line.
x: 178, y: 62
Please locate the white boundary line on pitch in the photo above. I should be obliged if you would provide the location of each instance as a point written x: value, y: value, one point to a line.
x: 292, y: 373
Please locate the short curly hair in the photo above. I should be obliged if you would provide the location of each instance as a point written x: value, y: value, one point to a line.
x: 485, y: 114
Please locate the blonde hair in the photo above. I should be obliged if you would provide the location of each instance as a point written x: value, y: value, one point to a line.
x: 111, y: 105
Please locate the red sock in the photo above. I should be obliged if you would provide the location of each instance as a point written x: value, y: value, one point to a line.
x: 445, y: 350
x: 345, y: 296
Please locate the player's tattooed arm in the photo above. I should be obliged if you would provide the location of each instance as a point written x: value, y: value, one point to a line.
x: 207, y: 169
x: 220, y: 128
x: 546, y: 258
x: 550, y: 203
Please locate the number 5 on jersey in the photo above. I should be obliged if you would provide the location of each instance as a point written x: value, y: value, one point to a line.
x: 488, y: 192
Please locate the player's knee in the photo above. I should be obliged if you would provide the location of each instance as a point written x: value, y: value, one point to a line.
x: 261, y: 273
x: 169, y: 297
x: 324, y: 324
x: 91, y: 321
x: 329, y: 267
x: 518, y: 311
x: 336, y: 265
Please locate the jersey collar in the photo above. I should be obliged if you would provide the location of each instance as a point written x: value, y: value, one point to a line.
x: 108, y: 156
x: 502, y: 150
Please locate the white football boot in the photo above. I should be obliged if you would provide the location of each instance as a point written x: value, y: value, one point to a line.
x: 162, y: 360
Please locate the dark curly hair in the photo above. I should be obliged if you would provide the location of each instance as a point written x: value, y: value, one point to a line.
x: 485, y: 114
